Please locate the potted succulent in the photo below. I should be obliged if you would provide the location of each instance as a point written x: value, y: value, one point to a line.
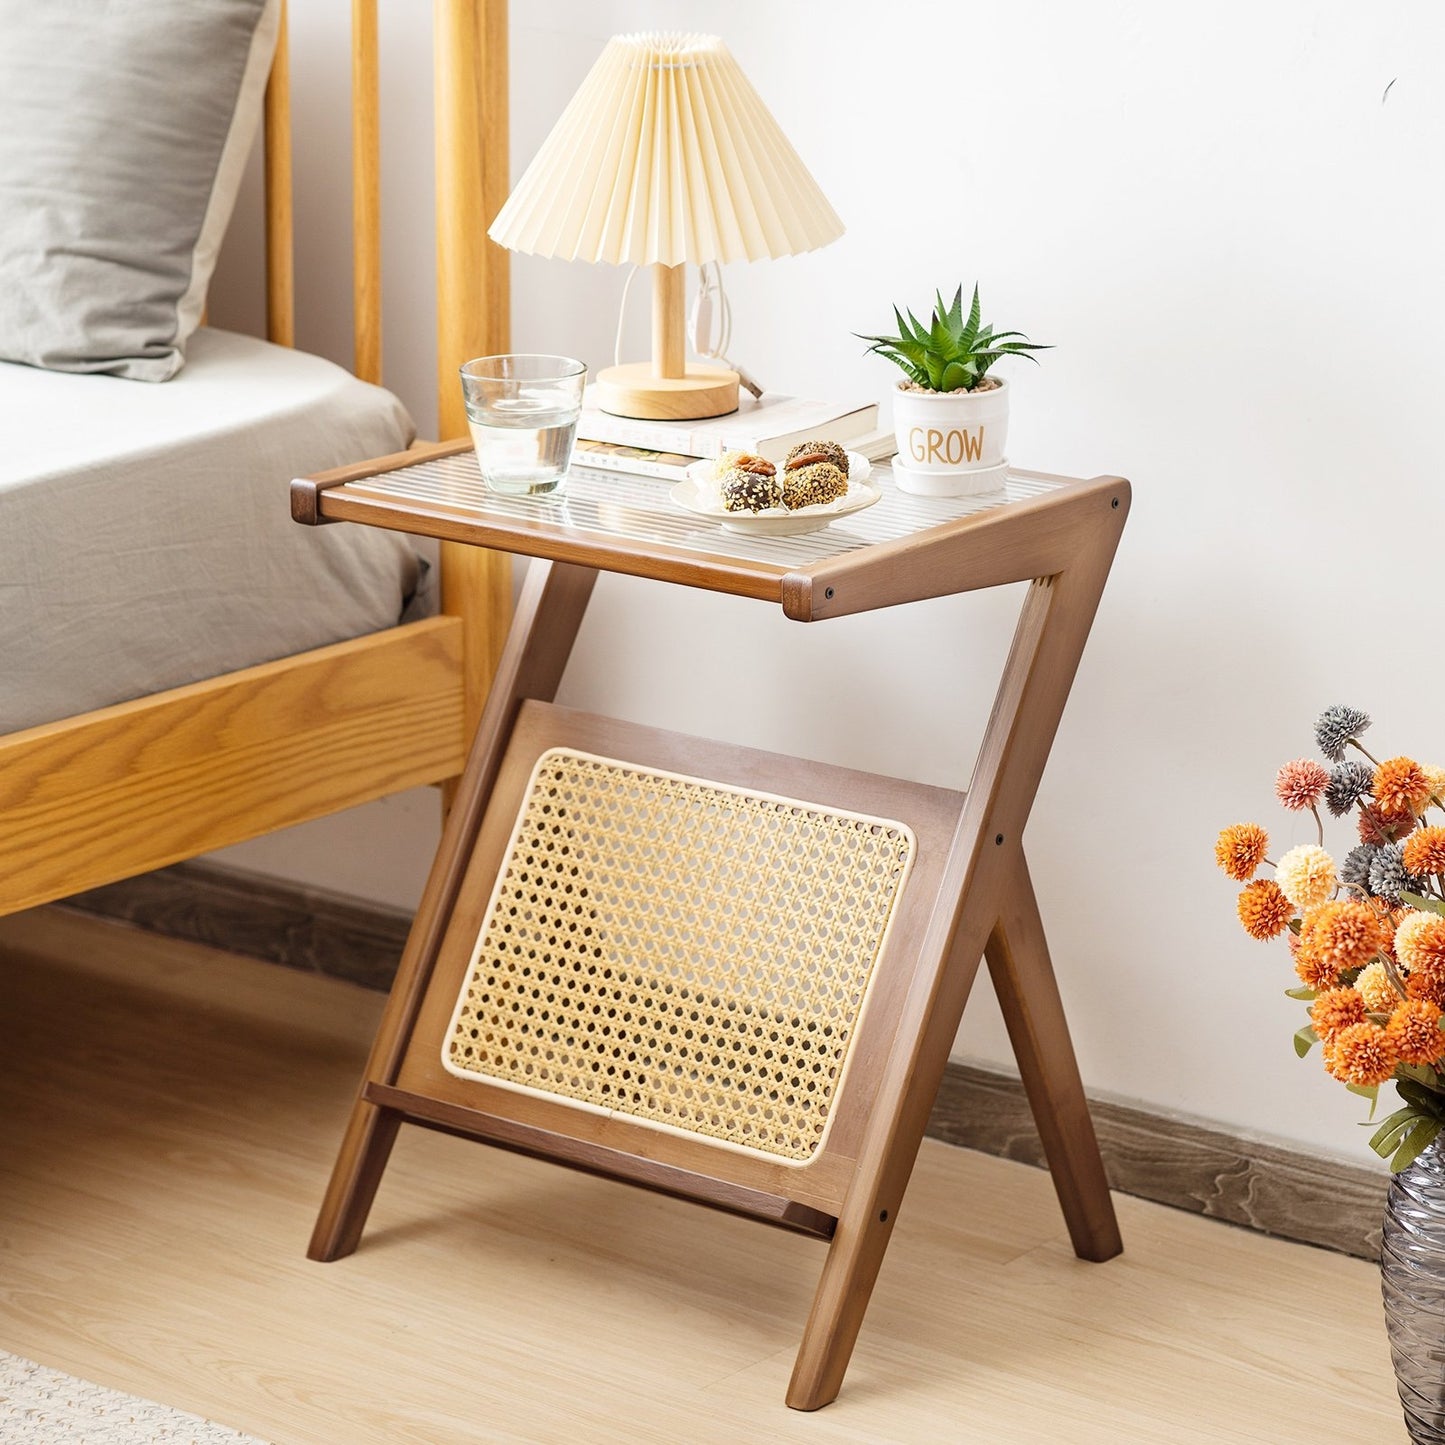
x: 950, y: 417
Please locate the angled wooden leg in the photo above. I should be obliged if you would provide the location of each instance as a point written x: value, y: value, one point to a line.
x: 554, y: 600
x: 1028, y: 994
x: 866, y: 1223
x: 979, y: 887
x: 365, y: 1149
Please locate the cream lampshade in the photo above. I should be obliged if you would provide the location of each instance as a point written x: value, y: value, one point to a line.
x: 666, y: 156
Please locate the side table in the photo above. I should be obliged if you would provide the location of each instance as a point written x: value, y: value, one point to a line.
x: 713, y: 971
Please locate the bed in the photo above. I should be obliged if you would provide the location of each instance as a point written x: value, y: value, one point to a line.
x: 181, y: 666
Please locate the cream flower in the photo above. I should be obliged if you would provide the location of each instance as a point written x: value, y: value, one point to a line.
x: 1420, y: 942
x: 1374, y: 986
x: 1306, y: 875
x: 1436, y: 778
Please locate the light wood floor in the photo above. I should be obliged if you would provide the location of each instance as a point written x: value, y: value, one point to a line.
x: 167, y: 1120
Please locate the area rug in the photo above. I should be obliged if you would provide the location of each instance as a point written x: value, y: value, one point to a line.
x: 40, y: 1406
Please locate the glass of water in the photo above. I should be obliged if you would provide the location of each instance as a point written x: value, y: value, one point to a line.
x: 523, y: 414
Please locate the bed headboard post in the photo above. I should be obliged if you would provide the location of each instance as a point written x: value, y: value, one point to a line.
x: 473, y: 281
x: 473, y: 178
x: 280, y: 257
x: 366, y: 190
x: 473, y: 286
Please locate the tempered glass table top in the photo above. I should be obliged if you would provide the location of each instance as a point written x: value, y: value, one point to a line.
x: 617, y: 521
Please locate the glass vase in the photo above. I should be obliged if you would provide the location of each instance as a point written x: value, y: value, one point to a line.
x: 1412, y: 1277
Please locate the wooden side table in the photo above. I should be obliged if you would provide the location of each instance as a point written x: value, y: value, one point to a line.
x: 708, y: 970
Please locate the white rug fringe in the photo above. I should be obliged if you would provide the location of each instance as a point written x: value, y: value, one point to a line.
x: 40, y: 1406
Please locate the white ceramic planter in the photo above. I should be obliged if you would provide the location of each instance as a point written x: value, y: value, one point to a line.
x: 950, y: 443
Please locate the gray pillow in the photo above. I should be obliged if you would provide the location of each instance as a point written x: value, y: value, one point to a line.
x: 124, y: 130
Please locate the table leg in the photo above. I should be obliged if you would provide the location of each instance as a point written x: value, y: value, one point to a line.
x: 980, y: 885
x: 553, y: 603
x: 1028, y: 994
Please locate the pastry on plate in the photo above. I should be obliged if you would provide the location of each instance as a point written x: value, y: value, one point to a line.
x: 807, y: 453
x: 813, y: 484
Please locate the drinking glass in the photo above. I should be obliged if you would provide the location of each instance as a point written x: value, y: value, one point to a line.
x: 523, y: 412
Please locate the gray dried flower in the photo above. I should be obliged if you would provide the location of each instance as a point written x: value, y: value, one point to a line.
x: 1349, y: 782
x: 1356, y: 867
x: 1337, y: 725
x: 1388, y: 875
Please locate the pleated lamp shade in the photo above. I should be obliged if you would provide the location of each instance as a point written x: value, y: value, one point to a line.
x: 666, y: 156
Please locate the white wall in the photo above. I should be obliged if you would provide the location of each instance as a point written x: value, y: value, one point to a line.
x: 1233, y: 236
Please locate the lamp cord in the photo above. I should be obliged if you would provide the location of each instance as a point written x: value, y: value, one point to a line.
x: 710, y: 295
x: 621, y: 316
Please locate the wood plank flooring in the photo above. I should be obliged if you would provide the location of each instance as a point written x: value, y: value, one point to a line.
x: 168, y: 1116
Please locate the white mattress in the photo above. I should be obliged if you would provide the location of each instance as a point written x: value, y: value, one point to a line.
x: 145, y: 532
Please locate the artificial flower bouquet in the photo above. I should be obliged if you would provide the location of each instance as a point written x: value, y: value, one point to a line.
x: 1367, y: 934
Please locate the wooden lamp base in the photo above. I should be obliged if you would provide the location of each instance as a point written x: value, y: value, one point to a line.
x: 636, y: 390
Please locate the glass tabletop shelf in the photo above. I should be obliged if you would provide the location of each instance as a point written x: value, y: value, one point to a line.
x: 619, y: 522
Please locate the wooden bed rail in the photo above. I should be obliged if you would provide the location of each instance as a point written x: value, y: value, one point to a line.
x: 473, y: 278
x: 104, y: 795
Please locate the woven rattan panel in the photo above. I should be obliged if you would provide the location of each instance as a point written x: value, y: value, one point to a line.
x: 689, y: 954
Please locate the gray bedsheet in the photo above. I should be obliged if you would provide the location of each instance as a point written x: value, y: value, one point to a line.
x: 145, y: 535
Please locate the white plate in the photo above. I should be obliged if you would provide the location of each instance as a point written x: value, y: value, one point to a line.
x: 699, y: 495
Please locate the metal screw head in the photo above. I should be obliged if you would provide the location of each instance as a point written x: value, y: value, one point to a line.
x: 827, y: 592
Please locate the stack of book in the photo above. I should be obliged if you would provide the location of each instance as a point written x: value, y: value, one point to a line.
x: 767, y: 426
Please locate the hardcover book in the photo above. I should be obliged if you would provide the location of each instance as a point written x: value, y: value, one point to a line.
x: 767, y: 426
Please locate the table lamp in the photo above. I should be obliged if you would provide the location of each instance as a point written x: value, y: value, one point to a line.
x: 666, y: 156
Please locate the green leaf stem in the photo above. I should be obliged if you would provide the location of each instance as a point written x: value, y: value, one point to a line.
x: 949, y: 354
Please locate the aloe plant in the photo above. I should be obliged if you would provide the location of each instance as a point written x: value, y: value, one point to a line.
x: 949, y: 354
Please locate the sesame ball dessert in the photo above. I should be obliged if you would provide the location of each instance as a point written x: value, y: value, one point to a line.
x: 813, y: 484
x: 749, y: 491
x: 806, y: 453
x: 748, y: 483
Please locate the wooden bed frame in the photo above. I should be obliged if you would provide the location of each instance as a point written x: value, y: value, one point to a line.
x: 122, y: 790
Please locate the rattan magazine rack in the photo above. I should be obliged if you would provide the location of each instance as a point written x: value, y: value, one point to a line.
x: 722, y: 973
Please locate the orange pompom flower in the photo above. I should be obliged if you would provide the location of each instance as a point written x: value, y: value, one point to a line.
x: 1335, y: 1010
x: 1316, y: 970
x: 1241, y: 849
x: 1425, y: 851
x: 1420, y: 942
x: 1414, y: 1030
x: 1300, y: 784
x: 1379, y: 826
x: 1401, y: 786
x: 1427, y: 986
x: 1306, y: 875
x: 1347, y: 932
x: 1263, y: 910
x: 1362, y: 1054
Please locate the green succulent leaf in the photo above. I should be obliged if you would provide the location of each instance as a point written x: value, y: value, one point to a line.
x: 955, y: 309
x: 922, y: 334
x: 950, y: 353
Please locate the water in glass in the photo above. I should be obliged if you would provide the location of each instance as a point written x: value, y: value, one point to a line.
x: 524, y: 443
